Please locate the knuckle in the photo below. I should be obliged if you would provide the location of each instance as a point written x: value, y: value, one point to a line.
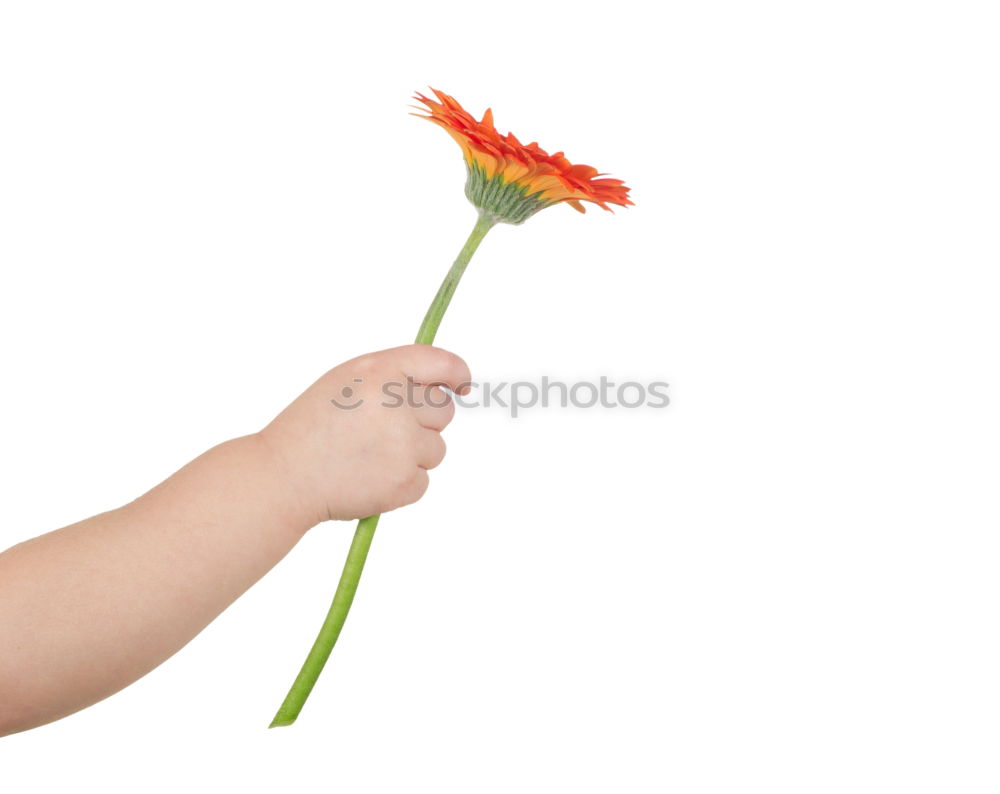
x: 402, y: 479
x: 419, y: 485
x: 434, y: 452
x: 445, y: 358
x: 440, y: 451
x: 461, y: 367
x: 367, y: 364
x: 415, y: 486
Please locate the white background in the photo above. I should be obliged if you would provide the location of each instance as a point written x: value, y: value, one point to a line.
x: 787, y: 581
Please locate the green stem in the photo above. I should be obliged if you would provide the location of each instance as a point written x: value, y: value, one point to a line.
x: 355, y: 563
x: 429, y: 327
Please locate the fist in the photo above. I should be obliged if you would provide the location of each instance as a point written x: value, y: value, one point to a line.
x: 362, y: 438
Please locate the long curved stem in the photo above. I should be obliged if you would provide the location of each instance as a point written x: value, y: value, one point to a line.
x: 363, y: 535
x: 429, y: 327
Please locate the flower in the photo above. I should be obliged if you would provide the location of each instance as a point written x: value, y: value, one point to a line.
x: 509, y: 181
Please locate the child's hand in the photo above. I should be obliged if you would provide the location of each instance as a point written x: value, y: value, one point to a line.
x: 361, y: 439
x: 89, y: 608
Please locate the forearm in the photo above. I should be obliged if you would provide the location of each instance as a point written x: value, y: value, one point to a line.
x: 88, y: 609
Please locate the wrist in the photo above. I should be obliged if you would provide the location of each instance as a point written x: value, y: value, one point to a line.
x: 294, y: 510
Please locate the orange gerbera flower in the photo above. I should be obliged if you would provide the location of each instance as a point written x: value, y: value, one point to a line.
x: 511, y: 181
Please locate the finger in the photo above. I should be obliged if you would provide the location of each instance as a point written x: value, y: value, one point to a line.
x: 430, y: 449
x: 431, y: 365
x: 416, y: 487
x: 434, y: 408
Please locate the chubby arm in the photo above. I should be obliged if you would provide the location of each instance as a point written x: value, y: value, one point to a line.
x: 88, y: 609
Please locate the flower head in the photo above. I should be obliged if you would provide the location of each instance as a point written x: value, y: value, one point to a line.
x: 510, y: 181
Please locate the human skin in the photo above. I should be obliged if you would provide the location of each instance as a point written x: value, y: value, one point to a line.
x: 88, y: 609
